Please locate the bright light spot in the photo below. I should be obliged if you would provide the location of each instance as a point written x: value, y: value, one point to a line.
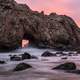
x: 25, y: 43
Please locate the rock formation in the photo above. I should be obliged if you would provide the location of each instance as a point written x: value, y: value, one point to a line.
x: 18, y: 21
x: 26, y: 56
x: 22, y: 66
x: 66, y: 66
x: 48, y: 54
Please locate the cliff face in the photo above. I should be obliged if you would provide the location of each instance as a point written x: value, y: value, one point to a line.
x: 18, y: 21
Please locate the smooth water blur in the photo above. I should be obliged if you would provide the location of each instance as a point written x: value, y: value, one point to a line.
x: 32, y: 50
x: 41, y: 67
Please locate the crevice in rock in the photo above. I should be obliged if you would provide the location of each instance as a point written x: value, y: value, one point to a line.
x: 28, y: 37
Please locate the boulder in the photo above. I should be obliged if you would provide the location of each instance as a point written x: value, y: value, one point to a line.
x: 48, y: 54
x: 18, y: 22
x: 66, y: 66
x: 15, y: 58
x: 22, y: 66
x: 34, y: 57
x: 26, y: 56
x: 2, y: 62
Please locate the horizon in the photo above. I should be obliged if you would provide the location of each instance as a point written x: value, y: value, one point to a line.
x: 64, y: 7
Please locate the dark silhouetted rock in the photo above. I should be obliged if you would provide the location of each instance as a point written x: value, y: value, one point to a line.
x: 22, y: 66
x: 2, y: 62
x: 48, y: 54
x: 26, y: 56
x: 66, y: 66
x: 34, y: 57
x: 18, y: 21
x: 64, y: 58
x: 74, y: 71
x: 59, y: 52
x: 15, y: 58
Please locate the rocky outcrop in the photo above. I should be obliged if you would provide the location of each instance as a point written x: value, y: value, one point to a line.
x: 15, y: 58
x: 22, y: 66
x: 18, y: 21
x: 20, y: 57
x: 26, y: 56
x: 2, y: 62
x: 11, y: 29
x: 34, y: 57
x: 48, y: 54
x: 66, y: 66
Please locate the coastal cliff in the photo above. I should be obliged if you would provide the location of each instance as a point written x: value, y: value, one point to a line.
x: 18, y: 22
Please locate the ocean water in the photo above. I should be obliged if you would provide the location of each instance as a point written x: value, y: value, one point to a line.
x: 41, y: 67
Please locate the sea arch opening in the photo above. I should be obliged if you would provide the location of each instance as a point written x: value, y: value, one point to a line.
x: 27, y: 40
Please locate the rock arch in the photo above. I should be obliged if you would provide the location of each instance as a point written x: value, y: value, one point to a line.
x: 20, y: 22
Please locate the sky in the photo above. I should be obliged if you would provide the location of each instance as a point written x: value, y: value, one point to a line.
x: 64, y: 7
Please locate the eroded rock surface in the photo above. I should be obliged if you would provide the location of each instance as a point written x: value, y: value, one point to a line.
x: 22, y: 66
x: 66, y: 66
x: 48, y: 54
x: 18, y: 21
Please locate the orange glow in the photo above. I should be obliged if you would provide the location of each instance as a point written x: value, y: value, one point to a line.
x: 25, y: 43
